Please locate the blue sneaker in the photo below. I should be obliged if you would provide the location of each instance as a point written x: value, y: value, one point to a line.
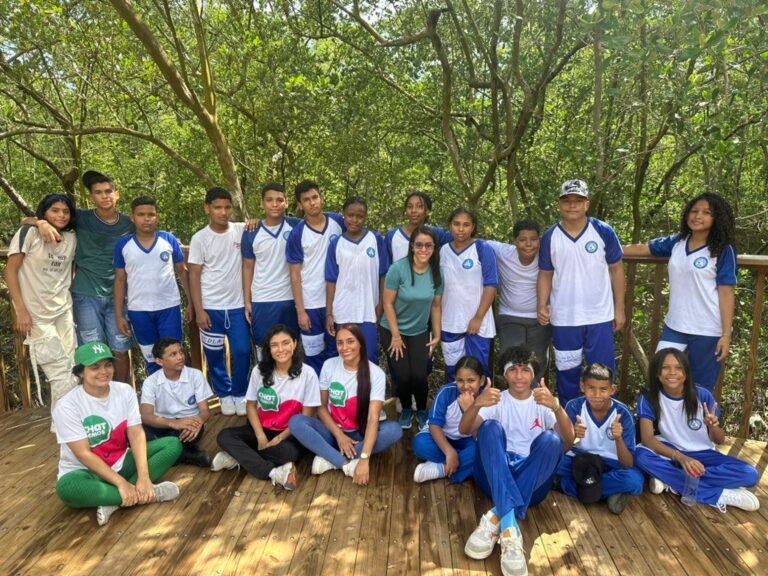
x: 421, y: 417
x: 406, y: 418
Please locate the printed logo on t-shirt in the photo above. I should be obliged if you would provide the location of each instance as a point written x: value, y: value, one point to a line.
x: 609, y: 433
x: 191, y: 401
x: 536, y: 424
x: 97, y: 429
x: 333, y: 236
x: 467, y: 264
x: 694, y: 424
x: 269, y: 400
x: 337, y: 394
x: 591, y: 247
x: 165, y: 255
x: 286, y: 234
x: 700, y: 262
x: 236, y: 245
x: 371, y: 252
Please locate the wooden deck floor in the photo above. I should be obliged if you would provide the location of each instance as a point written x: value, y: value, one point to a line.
x: 228, y: 523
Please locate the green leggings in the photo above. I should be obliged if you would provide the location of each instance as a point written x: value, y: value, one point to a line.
x: 84, y: 489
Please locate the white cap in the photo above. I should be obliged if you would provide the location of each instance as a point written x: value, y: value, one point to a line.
x: 577, y: 187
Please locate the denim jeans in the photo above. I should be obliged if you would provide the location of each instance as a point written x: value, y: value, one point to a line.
x: 95, y: 322
x: 318, y: 439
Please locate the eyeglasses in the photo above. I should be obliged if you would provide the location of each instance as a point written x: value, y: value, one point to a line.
x: 423, y: 245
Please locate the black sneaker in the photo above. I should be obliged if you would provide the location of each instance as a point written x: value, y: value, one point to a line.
x: 617, y: 502
x: 195, y: 458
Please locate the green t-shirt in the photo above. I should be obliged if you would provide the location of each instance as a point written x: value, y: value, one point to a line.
x: 414, y: 302
x: 96, y: 240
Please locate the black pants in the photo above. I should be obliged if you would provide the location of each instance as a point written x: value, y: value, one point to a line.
x: 242, y: 445
x: 411, y: 369
x: 187, y: 446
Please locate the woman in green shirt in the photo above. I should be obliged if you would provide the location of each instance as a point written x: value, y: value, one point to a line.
x: 413, y: 291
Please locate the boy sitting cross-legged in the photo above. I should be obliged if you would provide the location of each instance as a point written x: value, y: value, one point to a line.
x: 174, y: 401
x: 521, y: 437
x: 606, y: 429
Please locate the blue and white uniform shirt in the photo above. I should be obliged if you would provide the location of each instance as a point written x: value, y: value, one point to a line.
x: 151, y: 272
x: 309, y: 247
x: 599, y: 439
x: 356, y: 267
x: 446, y: 412
x: 581, y: 285
x: 685, y: 434
x: 466, y: 273
x: 397, y: 241
x: 694, y: 304
x: 271, y: 276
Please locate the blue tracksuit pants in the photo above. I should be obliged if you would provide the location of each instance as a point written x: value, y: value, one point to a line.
x: 573, y: 345
x: 229, y: 324
x: 616, y: 478
x: 425, y: 448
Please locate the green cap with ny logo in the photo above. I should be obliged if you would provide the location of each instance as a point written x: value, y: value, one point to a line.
x: 89, y: 354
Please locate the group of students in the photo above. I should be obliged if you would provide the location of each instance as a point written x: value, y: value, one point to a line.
x: 315, y: 295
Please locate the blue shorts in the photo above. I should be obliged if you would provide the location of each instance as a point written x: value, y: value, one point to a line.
x: 95, y: 322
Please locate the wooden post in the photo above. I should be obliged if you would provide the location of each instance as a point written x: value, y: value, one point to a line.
x: 22, y: 366
x: 658, y: 281
x: 629, y: 303
x: 757, y: 320
x: 3, y: 396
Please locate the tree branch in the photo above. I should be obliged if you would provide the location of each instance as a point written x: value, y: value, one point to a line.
x: 196, y: 170
x: 15, y: 197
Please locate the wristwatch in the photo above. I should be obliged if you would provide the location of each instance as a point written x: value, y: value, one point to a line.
x: 364, y: 456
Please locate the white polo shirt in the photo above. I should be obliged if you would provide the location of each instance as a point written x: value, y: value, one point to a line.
x: 175, y: 399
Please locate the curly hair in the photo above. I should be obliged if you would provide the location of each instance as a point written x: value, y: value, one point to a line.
x: 723, y: 231
x: 267, y: 364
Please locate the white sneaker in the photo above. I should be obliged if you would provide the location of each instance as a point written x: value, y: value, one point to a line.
x: 427, y: 471
x: 223, y: 461
x: 240, y: 405
x: 320, y: 466
x: 228, y: 405
x: 739, y: 498
x: 481, y: 542
x: 284, y: 476
x: 166, y: 491
x: 349, y: 467
x: 512, y: 553
x: 656, y: 486
x: 103, y: 513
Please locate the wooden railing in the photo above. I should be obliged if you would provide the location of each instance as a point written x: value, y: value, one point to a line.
x: 631, y: 347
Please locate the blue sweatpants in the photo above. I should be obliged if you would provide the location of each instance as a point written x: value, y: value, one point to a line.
x: 149, y: 327
x: 457, y: 345
x: 316, y: 438
x: 371, y: 334
x: 514, y: 482
x: 573, y: 345
x: 720, y: 471
x: 705, y: 369
x: 616, y: 478
x: 425, y: 448
x: 318, y: 344
x: 264, y: 315
x: 229, y: 324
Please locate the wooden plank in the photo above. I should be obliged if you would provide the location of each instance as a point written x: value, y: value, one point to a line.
x: 222, y: 543
x: 560, y: 549
x: 284, y: 537
x: 594, y: 555
x: 404, y: 529
x: 344, y: 537
x: 434, y: 549
x: 315, y: 535
x: 372, y: 551
x: 461, y: 522
x: 538, y: 562
x: 634, y: 528
x: 685, y: 538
